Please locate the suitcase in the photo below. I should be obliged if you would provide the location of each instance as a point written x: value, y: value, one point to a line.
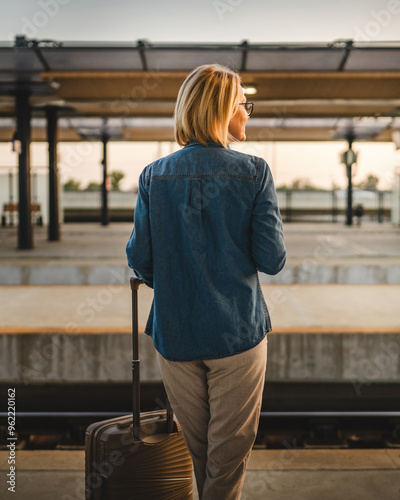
x: 138, y: 456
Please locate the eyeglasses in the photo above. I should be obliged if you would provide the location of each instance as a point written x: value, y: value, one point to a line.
x: 248, y: 106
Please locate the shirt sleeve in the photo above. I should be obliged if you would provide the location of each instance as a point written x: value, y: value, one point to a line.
x: 267, y: 242
x: 139, y: 247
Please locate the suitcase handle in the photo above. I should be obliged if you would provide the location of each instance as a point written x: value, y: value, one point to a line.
x: 135, y: 284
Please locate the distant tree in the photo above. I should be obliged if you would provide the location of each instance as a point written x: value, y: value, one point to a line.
x: 299, y: 184
x: 116, y: 177
x: 370, y: 183
x: 71, y: 185
x: 93, y: 186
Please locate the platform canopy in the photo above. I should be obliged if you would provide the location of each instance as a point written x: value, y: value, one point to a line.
x: 303, y: 91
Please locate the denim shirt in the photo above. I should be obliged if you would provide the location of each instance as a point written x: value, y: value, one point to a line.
x: 206, y: 220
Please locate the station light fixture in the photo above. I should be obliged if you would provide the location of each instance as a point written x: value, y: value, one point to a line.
x: 249, y: 89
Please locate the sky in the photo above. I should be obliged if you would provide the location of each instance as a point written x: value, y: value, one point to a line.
x: 225, y: 21
x: 201, y: 21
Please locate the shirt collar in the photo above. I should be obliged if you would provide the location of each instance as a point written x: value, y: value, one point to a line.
x: 197, y: 143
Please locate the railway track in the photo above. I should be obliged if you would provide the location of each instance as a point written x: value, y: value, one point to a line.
x: 288, y: 429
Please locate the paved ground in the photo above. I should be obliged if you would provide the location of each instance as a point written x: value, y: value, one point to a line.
x: 317, y: 253
x: 107, y: 308
x: 94, y: 241
x: 321, y: 250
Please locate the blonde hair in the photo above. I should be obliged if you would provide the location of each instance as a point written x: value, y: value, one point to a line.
x: 206, y: 102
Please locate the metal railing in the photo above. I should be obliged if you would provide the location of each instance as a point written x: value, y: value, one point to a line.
x: 295, y: 205
x: 85, y: 206
x: 330, y: 206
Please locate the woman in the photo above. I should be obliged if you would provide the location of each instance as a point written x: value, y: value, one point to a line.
x: 206, y: 220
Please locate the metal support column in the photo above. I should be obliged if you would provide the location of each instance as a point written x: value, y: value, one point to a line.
x: 334, y: 205
x: 25, y: 229
x: 11, y: 194
x: 104, y: 190
x: 53, y: 228
x: 288, y: 206
x: 380, y: 206
x: 349, y: 163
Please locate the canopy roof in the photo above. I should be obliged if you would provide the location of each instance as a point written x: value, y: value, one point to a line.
x: 141, y: 80
x: 258, y: 129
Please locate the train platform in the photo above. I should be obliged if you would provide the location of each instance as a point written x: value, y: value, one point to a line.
x: 83, y: 333
x: 66, y: 318
x: 317, y: 253
x: 295, y: 474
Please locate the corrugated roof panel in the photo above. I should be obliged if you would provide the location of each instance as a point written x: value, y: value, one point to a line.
x: 186, y: 60
x: 92, y: 59
x: 19, y: 59
x: 294, y: 59
x: 17, y: 66
x: 373, y: 60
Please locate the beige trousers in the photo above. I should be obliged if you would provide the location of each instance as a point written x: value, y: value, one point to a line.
x: 218, y: 403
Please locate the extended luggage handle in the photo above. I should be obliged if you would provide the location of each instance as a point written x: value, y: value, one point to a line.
x: 135, y: 284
